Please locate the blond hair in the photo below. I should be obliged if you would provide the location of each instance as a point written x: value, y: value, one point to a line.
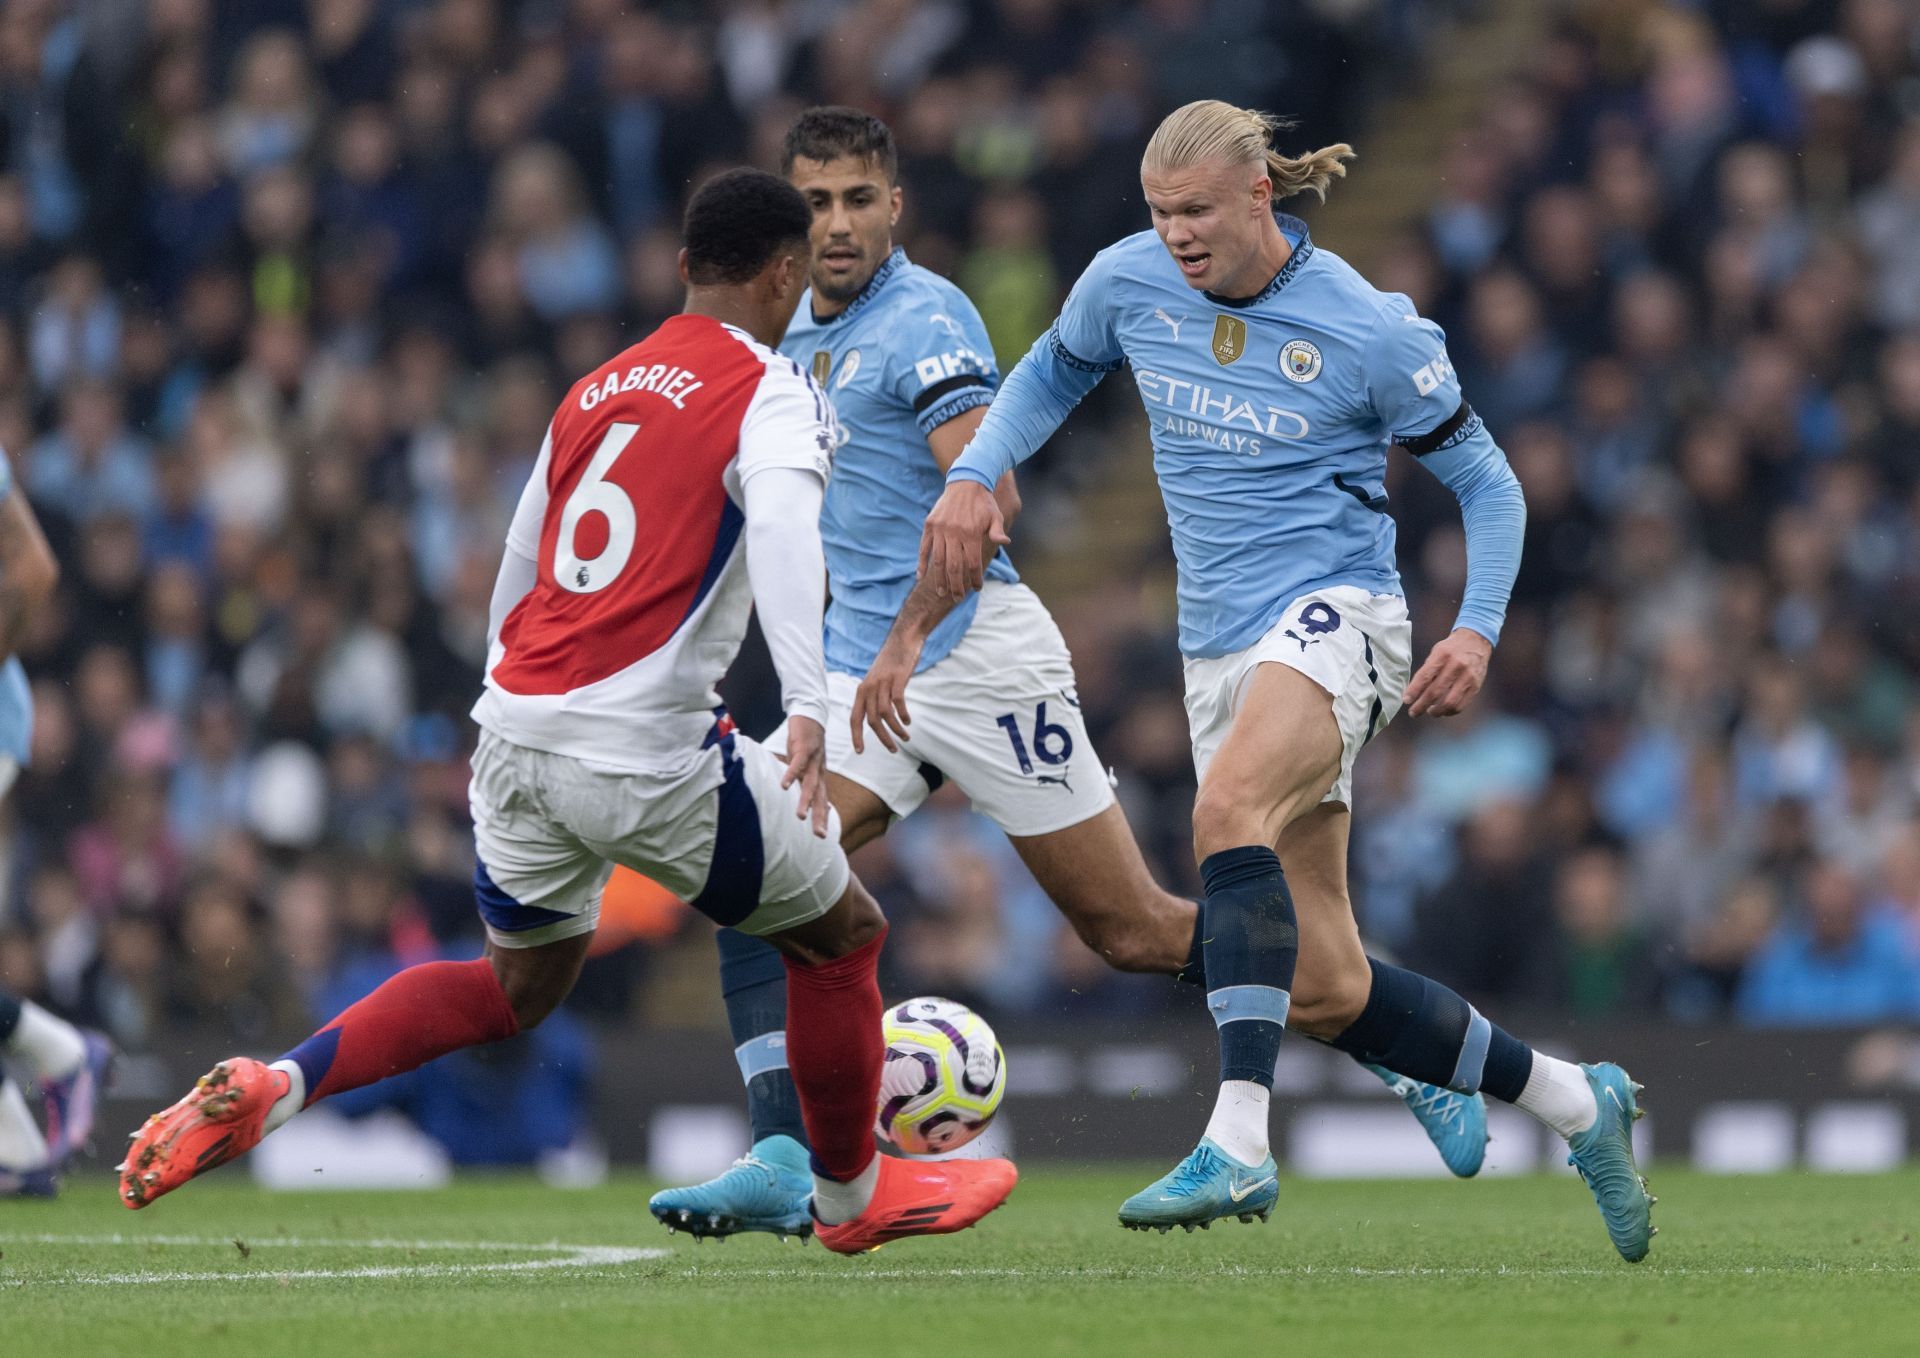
x: 1209, y: 129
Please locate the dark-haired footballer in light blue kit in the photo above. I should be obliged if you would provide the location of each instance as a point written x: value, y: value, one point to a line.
x: 906, y: 361
x: 1272, y: 410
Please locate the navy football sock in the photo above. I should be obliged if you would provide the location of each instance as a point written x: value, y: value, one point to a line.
x: 1418, y: 1028
x: 1250, y: 948
x: 9, y: 1015
x: 753, y: 981
x: 1195, y: 971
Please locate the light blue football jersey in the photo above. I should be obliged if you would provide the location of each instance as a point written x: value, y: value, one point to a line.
x: 907, y: 355
x: 16, y: 695
x: 1271, y: 417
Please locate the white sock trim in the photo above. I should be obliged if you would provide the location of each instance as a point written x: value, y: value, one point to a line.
x: 290, y: 1102
x: 835, y: 1202
x: 1239, y: 1122
x: 1558, y: 1095
x: 51, y: 1046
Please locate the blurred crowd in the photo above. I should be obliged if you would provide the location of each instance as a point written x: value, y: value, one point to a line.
x: 1680, y: 263
x: 289, y: 288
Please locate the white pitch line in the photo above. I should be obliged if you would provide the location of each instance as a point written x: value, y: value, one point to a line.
x: 567, y: 1257
x: 302, y: 1241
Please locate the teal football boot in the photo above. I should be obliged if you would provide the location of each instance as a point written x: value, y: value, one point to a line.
x: 1455, y: 1123
x: 1206, y: 1186
x: 768, y: 1189
x: 1603, y: 1154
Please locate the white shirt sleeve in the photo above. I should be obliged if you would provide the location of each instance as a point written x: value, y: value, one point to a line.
x: 520, y: 564
x: 523, y: 533
x: 788, y: 572
x: 518, y: 574
x: 789, y: 423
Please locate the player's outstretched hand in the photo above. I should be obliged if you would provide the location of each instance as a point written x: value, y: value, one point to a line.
x: 960, y: 537
x: 881, y: 701
x: 807, y: 766
x: 1454, y: 671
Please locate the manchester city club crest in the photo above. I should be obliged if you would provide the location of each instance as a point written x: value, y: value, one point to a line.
x: 1299, y: 361
x: 848, y: 367
x: 1229, y: 339
x: 822, y: 365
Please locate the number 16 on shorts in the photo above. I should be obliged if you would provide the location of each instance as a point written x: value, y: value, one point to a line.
x: 1051, y: 743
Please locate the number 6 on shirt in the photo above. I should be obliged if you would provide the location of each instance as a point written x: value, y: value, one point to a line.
x: 590, y: 575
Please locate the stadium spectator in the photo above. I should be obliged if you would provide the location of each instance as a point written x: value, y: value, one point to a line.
x: 1846, y: 963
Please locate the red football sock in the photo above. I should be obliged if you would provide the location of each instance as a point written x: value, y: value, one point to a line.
x: 424, y: 1012
x: 833, y: 1051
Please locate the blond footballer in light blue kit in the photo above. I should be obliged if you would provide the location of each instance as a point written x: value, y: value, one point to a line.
x: 977, y: 690
x: 1275, y: 379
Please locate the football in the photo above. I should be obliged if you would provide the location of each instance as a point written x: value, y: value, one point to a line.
x: 942, y: 1077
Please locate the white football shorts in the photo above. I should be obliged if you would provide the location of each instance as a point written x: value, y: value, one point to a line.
x: 997, y: 715
x: 720, y: 833
x: 1356, y: 645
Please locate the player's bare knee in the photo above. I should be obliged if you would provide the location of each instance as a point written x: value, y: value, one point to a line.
x: 533, y: 990
x: 864, y: 921
x: 851, y: 923
x: 1224, y: 820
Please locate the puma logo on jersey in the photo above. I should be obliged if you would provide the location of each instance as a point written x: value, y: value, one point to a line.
x: 1059, y: 778
x: 1173, y: 322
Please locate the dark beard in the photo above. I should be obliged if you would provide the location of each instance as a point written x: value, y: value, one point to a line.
x: 840, y: 293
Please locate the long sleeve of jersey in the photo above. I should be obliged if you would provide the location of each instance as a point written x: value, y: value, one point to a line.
x: 788, y: 571
x: 520, y: 562
x: 1059, y: 370
x: 1412, y: 387
x: 1495, y: 515
x: 519, y: 573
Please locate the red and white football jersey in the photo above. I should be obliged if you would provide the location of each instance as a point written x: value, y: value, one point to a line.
x: 633, y: 515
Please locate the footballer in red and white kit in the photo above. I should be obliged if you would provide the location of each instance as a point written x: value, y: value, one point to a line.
x: 665, y: 471
x: 678, y: 488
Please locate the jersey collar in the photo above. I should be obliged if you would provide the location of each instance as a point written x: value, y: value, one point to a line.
x: 1295, y: 231
x: 889, y: 266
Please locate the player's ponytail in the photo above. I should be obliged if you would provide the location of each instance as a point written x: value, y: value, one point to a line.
x: 1209, y: 129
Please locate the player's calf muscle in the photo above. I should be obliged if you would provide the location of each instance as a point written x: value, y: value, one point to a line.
x: 1137, y: 940
x: 1328, y: 991
x: 1095, y: 874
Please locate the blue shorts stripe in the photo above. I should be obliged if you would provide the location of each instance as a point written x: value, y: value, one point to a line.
x: 761, y: 1054
x: 1473, y: 1054
x: 503, y: 912
x: 1231, y: 1004
x: 739, y: 862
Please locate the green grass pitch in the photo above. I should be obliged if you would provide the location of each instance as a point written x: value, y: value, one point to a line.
x: 505, y: 1267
